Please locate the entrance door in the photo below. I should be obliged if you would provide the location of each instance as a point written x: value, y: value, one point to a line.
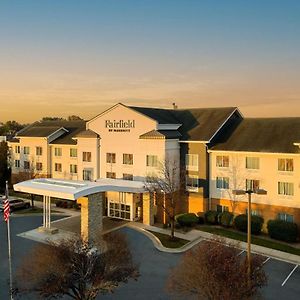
x: 118, y: 210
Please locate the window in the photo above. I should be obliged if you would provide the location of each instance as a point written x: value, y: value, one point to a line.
x: 286, y: 164
x: 222, y: 161
x: 119, y: 210
x: 252, y: 162
x: 57, y: 151
x: 26, y: 165
x: 87, y: 175
x: 39, y: 166
x: 127, y: 159
x: 192, y: 183
x: 73, y: 169
x: 151, y: 161
x: 17, y: 163
x: 254, y: 212
x: 26, y: 150
x: 222, y: 183
x: 191, y: 162
x: 38, y: 151
x: 252, y: 184
x: 127, y: 176
x: 286, y: 217
x: 87, y: 156
x: 222, y: 208
x: 58, y: 167
x: 17, y: 149
x: 73, y: 152
x: 111, y: 158
x: 285, y: 188
x: 111, y: 175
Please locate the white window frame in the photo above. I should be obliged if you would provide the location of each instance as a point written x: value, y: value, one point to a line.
x: 111, y: 158
x: 39, y: 151
x: 56, y: 169
x: 250, y: 184
x: 192, y: 162
x: 26, y: 150
x: 127, y: 159
x: 224, y: 182
x: 285, y: 188
x: 193, y: 187
x: 73, y: 152
x: 17, y: 163
x: 86, y: 156
x: 252, y: 163
x: 222, y: 161
x: 73, y: 169
x: 285, y: 164
x: 17, y: 149
x: 151, y: 160
x: 87, y: 171
x: 57, y: 152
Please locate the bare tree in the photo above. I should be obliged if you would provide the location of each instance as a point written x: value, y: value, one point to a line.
x: 76, y: 269
x: 167, y: 186
x: 213, y: 271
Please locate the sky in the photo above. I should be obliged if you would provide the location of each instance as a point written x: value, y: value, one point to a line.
x: 64, y: 57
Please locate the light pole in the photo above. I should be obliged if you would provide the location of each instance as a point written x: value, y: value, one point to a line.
x: 249, y: 192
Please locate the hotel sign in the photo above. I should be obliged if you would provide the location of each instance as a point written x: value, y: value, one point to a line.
x: 119, y: 125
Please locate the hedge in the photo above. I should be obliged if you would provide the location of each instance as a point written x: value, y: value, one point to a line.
x: 226, y: 219
x: 283, y: 230
x: 211, y: 217
x: 241, y: 222
x: 187, y: 219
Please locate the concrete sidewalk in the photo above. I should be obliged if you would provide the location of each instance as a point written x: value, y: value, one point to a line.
x: 196, y: 236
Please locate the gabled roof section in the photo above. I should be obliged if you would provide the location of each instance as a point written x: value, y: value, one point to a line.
x: 86, y: 134
x: 161, y: 134
x: 272, y: 135
x: 40, y: 131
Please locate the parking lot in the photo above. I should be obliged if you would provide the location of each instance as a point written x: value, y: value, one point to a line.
x: 283, y: 277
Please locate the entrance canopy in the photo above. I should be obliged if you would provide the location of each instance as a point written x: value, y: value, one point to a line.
x: 72, y: 189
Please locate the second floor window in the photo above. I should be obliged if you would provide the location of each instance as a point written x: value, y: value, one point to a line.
x: 222, y: 183
x: 26, y: 150
x: 286, y: 164
x: 192, y: 183
x: 286, y: 188
x: 17, y: 149
x: 111, y: 158
x: 127, y: 159
x: 57, y: 151
x: 73, y: 169
x: 73, y: 152
x: 222, y: 161
x: 191, y: 162
x: 87, y: 174
x: 39, y: 151
x: 252, y: 184
x: 87, y: 156
x: 58, y: 167
x: 151, y: 161
x: 39, y: 166
x: 252, y: 162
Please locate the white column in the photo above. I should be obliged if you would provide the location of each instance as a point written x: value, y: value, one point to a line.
x: 44, y: 211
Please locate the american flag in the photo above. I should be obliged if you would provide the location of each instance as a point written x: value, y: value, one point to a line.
x: 6, y: 209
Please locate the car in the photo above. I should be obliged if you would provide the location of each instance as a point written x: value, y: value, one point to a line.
x: 15, y: 204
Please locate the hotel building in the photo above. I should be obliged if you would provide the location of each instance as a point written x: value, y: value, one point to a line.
x: 217, y: 149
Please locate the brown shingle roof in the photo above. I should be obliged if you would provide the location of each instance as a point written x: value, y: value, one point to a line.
x: 161, y: 134
x: 274, y: 135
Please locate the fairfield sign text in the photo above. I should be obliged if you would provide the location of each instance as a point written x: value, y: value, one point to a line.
x: 120, y: 125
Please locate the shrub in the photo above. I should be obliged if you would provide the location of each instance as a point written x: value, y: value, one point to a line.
x: 283, y: 230
x: 65, y: 204
x: 241, y: 222
x: 226, y: 218
x: 200, y: 220
x: 188, y: 219
x: 211, y: 217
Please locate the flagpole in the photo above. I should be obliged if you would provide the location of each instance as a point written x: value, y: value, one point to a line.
x: 9, y: 252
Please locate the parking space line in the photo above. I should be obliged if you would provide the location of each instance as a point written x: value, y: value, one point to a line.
x: 240, y: 253
x: 289, y: 275
x: 266, y: 260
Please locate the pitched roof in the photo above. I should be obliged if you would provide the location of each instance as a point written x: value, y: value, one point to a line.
x: 161, y: 134
x: 86, y: 134
x: 198, y: 124
x: 38, y: 131
x: 274, y: 135
x: 46, y: 128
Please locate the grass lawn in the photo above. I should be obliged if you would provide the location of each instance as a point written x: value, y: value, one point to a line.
x: 167, y: 242
x: 240, y: 236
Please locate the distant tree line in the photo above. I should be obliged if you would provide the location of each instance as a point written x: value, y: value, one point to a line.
x: 10, y: 128
x: 69, y: 118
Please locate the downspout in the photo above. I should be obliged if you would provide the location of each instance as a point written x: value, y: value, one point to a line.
x: 208, y: 177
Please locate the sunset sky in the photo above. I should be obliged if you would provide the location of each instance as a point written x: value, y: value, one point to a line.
x: 63, y: 57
